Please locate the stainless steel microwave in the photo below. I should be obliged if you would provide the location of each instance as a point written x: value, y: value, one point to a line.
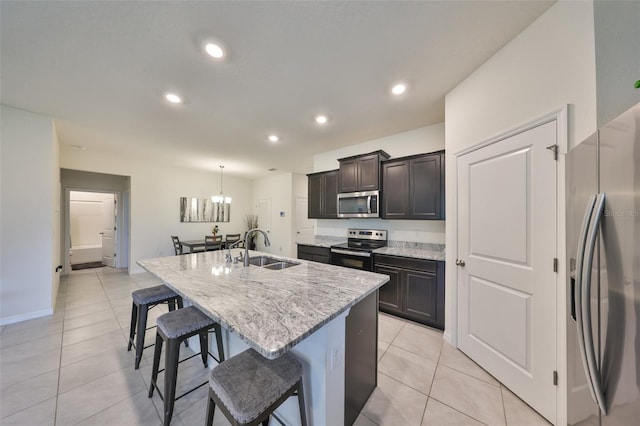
x: 359, y: 204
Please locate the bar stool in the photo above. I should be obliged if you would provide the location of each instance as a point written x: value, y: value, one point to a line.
x: 248, y: 388
x: 143, y: 300
x: 173, y: 328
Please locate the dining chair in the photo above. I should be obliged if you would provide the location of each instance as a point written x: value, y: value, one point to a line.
x: 212, y: 242
x: 177, y: 246
x: 232, y: 238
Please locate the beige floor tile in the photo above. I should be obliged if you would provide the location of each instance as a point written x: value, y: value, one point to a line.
x: 28, y: 393
x: 420, y: 342
x: 89, y: 369
x: 18, y: 352
x: 86, y: 310
x: 92, y: 398
x: 468, y: 395
x: 393, y: 403
x: 9, y: 338
x: 423, y: 328
x: 90, y: 347
x: 42, y: 414
x: 197, y: 413
x: 388, y: 327
x: 31, y: 364
x: 519, y: 413
x: 408, y: 368
x: 382, y: 348
x: 364, y: 421
x: 438, y: 414
x: 90, y: 331
x: 453, y: 358
x: 88, y: 319
x: 137, y: 410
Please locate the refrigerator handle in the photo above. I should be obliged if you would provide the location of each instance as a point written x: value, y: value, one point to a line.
x: 590, y: 244
x: 577, y: 296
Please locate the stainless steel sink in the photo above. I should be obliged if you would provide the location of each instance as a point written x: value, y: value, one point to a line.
x: 262, y: 260
x: 280, y: 265
x: 271, y: 262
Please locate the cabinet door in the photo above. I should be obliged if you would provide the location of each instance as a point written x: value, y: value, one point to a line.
x: 348, y: 175
x: 426, y: 187
x: 390, y: 294
x: 369, y: 173
x: 395, y: 190
x: 315, y: 196
x: 330, y: 195
x: 421, y: 297
x: 321, y: 258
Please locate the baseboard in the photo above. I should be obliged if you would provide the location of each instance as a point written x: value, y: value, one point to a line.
x: 23, y: 317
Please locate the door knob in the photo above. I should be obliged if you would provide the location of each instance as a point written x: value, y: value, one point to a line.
x: 460, y: 262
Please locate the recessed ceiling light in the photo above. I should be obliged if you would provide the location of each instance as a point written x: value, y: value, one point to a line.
x: 173, y: 98
x: 321, y: 119
x: 214, y: 50
x: 273, y: 138
x: 399, y: 89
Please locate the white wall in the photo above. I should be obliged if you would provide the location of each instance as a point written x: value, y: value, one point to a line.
x: 418, y: 141
x: 85, y: 214
x: 279, y: 190
x: 29, y: 210
x: 155, y: 196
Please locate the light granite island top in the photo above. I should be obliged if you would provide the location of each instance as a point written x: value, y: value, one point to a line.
x: 304, y: 309
x: 272, y: 310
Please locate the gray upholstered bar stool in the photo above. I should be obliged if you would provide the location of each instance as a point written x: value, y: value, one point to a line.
x: 174, y: 328
x: 143, y: 300
x: 248, y: 387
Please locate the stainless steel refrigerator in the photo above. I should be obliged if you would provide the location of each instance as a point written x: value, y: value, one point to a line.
x: 603, y: 243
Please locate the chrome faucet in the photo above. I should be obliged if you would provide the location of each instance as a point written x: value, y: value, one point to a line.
x: 247, y: 238
x: 227, y: 257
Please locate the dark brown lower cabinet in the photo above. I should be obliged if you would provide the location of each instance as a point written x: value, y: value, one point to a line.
x: 361, y: 356
x: 415, y: 289
x: 314, y: 253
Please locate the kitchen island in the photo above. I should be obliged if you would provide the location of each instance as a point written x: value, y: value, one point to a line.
x: 304, y: 309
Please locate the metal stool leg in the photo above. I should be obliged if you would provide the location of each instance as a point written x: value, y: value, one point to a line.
x: 204, y: 347
x: 132, y: 327
x: 218, y: 331
x: 143, y: 310
x: 303, y: 409
x: 156, y: 364
x: 211, y: 409
x: 171, y: 359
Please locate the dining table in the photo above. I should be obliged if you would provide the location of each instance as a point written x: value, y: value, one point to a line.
x: 195, y: 245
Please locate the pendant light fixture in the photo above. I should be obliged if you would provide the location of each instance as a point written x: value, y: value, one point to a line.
x: 221, y: 199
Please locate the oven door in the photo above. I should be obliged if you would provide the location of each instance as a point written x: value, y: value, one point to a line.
x: 352, y: 259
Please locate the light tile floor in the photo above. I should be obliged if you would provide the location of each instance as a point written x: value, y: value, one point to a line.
x: 72, y: 368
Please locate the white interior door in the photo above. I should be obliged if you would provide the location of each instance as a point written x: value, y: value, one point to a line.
x: 507, y: 284
x: 108, y: 230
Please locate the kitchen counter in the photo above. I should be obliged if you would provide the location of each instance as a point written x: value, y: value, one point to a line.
x: 320, y: 240
x: 304, y: 309
x: 414, y: 250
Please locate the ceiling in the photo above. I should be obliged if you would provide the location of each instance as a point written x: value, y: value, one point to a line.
x: 101, y: 68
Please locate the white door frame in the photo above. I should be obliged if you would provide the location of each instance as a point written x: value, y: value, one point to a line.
x: 560, y: 115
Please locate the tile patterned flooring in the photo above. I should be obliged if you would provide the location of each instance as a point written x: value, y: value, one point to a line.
x: 72, y: 368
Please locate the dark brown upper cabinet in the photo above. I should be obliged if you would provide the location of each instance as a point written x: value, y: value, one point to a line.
x: 323, y: 195
x: 361, y: 172
x: 413, y: 187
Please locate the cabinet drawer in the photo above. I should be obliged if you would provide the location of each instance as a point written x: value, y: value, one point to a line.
x: 406, y: 262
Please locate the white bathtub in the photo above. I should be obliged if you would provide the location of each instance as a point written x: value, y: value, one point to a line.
x: 85, y: 254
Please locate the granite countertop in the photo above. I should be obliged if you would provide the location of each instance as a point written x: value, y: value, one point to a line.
x: 415, y: 250
x: 271, y: 310
x: 320, y: 240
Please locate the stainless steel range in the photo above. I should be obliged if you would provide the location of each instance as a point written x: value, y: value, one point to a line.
x: 357, y: 252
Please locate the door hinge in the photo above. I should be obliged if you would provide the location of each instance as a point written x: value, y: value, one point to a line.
x: 555, y: 264
x: 114, y: 254
x: 555, y: 378
x: 554, y: 148
x: 114, y: 228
